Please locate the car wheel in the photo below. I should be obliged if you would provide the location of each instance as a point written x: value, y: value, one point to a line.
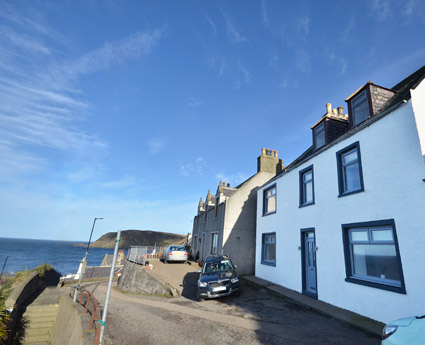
x: 198, y: 296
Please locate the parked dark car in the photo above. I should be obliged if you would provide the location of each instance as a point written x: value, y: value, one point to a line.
x: 217, y: 278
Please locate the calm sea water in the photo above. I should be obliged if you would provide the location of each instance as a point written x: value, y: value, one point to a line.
x: 62, y: 255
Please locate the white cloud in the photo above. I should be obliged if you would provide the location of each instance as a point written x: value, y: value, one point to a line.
x: 284, y: 83
x: 193, y: 103
x: 382, y: 8
x: 193, y: 168
x: 233, y: 34
x: 244, y: 76
x: 213, y: 26
x: 40, y: 101
x: 264, y: 15
x: 273, y: 61
x: 156, y: 145
x: 303, y: 60
x: 234, y: 179
x: 304, y: 25
x: 133, y: 46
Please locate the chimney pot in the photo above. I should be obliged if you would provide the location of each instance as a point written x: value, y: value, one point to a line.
x: 334, y: 111
x: 268, y: 152
x: 228, y: 185
x: 329, y: 108
x: 263, y: 151
x: 340, y: 111
x: 276, y: 154
x: 272, y: 153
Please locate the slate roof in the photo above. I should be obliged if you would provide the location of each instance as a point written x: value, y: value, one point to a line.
x: 402, y: 94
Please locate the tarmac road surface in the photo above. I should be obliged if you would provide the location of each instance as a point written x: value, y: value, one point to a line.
x: 255, y: 317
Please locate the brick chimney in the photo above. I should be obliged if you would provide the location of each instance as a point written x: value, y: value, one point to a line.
x: 269, y: 162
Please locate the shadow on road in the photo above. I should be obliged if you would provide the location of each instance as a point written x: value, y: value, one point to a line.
x: 189, y: 285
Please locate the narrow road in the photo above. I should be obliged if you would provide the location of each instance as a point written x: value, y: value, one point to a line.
x: 253, y: 318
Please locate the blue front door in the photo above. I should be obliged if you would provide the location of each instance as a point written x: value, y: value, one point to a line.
x: 309, y: 271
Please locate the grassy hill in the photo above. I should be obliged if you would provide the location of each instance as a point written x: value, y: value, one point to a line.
x: 138, y: 238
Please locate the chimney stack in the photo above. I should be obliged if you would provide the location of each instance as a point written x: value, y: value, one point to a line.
x: 329, y: 108
x: 269, y: 162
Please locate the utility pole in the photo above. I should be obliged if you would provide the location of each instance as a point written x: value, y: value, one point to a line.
x: 4, y: 265
x: 111, y: 276
x: 84, y: 262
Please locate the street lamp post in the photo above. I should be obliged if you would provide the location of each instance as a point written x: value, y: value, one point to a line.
x: 85, y: 260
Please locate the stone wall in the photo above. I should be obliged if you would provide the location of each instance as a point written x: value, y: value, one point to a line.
x: 137, y: 279
x: 68, y: 325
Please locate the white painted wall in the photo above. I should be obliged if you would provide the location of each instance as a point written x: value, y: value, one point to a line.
x: 418, y: 103
x: 393, y: 169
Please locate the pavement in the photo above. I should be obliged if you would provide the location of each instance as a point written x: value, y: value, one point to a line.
x: 364, y: 323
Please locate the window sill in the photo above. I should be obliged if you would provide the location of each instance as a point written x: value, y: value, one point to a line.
x: 305, y: 205
x: 382, y: 286
x: 267, y: 263
x: 352, y: 192
x: 268, y: 213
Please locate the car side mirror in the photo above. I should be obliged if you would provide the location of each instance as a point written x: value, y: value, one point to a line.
x: 198, y: 271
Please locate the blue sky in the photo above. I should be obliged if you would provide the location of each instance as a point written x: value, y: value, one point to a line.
x: 132, y: 110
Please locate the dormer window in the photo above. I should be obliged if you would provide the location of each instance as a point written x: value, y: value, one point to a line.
x: 319, y: 136
x: 360, y: 108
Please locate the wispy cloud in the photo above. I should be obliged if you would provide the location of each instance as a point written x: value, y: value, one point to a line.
x: 233, y: 34
x: 193, y: 168
x: 244, y: 76
x: 13, y: 160
x: 303, y: 60
x: 347, y: 32
x: 156, y: 145
x: 284, y: 83
x: 212, y: 25
x: 41, y: 104
x: 273, y: 61
x: 233, y: 179
x: 382, y: 8
x: 131, y: 47
x: 192, y: 103
x: 264, y: 15
x: 304, y: 25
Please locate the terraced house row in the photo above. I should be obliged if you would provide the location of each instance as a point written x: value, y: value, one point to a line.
x: 345, y: 222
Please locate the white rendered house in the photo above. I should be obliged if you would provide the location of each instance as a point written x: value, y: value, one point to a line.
x: 347, y: 222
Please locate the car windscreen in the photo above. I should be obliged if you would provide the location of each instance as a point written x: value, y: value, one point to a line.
x: 177, y: 249
x: 211, y: 267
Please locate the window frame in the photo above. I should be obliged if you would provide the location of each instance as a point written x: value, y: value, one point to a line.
x: 316, y: 131
x: 266, y: 212
x: 263, y: 249
x: 351, y: 277
x: 302, y: 196
x: 195, y: 243
x: 361, y: 94
x: 214, y: 234
x: 341, y: 166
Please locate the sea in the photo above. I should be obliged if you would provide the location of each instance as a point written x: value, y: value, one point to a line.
x: 64, y: 256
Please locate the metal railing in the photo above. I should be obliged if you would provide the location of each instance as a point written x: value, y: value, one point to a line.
x: 91, y: 305
x: 139, y: 254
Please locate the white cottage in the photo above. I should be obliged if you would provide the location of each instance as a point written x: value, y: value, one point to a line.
x: 345, y: 222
